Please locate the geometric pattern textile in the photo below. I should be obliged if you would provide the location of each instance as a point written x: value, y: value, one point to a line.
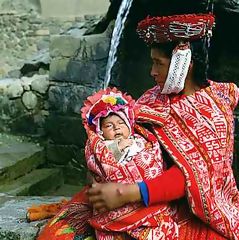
x: 198, y: 134
x: 138, y: 221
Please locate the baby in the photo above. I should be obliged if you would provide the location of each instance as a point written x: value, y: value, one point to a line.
x: 115, y: 130
x: 116, y: 153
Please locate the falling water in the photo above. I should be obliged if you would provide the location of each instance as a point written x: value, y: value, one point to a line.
x: 118, y: 29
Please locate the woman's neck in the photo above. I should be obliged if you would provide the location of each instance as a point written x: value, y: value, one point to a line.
x: 190, y: 87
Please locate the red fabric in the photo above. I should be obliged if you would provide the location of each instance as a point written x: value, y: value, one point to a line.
x: 186, y: 27
x: 198, y: 135
x: 61, y: 226
x: 197, y: 230
x: 135, y: 219
x: 167, y: 187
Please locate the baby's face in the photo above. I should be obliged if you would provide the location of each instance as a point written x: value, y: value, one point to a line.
x: 114, y: 127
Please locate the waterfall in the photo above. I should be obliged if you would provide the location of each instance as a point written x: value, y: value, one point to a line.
x: 118, y: 29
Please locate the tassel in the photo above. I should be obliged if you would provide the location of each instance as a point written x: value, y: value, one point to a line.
x: 44, y: 211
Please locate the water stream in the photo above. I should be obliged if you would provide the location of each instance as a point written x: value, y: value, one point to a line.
x: 117, y: 32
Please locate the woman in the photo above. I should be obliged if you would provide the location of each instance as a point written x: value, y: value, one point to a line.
x: 197, y: 132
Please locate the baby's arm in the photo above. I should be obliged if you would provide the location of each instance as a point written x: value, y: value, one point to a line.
x: 124, y: 143
x: 114, y: 148
x: 118, y: 146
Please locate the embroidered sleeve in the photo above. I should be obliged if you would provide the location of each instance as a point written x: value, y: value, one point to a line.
x: 167, y: 187
x: 226, y: 93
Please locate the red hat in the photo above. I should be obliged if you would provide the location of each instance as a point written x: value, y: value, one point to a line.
x: 175, y: 28
x: 104, y: 102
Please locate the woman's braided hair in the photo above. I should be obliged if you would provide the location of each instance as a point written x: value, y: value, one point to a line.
x: 201, y: 63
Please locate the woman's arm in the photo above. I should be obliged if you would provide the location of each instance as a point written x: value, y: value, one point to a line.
x: 108, y: 196
x: 167, y: 187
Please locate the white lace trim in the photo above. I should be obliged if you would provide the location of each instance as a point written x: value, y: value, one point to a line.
x: 177, y: 72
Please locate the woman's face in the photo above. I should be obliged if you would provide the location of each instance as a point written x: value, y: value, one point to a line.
x: 160, y: 66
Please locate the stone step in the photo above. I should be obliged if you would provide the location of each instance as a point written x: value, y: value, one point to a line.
x: 18, y: 157
x: 67, y: 190
x: 39, y: 182
x: 13, y: 223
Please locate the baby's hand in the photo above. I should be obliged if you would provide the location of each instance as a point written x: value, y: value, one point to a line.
x: 124, y: 143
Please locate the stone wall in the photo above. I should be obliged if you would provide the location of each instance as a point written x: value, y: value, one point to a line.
x: 23, y: 35
x: 27, y: 24
x: 77, y: 69
x: 48, y: 67
x: 63, y: 8
x: 26, y: 41
x: 46, y: 104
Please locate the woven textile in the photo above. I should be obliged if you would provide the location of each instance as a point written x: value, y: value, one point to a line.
x: 198, y: 134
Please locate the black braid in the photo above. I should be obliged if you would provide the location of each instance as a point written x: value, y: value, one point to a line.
x: 200, y: 62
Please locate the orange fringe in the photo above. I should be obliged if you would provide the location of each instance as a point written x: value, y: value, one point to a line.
x: 44, y: 211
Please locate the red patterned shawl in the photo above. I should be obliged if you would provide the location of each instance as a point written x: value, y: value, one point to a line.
x: 138, y: 221
x: 198, y: 134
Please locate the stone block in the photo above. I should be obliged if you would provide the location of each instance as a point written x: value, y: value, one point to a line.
x: 75, y: 176
x: 67, y: 190
x: 42, y: 32
x: 93, y: 47
x: 18, y: 158
x: 24, y: 124
x: 15, y: 89
x: 39, y: 182
x: 79, y: 59
x: 71, y: 159
x: 40, y: 83
x: 66, y: 130
x: 29, y: 100
x: 58, y: 69
x: 67, y: 99
x: 88, y: 72
x: 11, y: 108
x: 63, y: 154
x: 72, y: 8
x: 13, y: 224
x: 83, y: 72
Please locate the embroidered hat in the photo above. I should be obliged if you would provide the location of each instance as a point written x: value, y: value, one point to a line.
x: 104, y: 102
x: 186, y: 27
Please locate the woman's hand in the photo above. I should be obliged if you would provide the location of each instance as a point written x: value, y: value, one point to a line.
x: 108, y: 196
